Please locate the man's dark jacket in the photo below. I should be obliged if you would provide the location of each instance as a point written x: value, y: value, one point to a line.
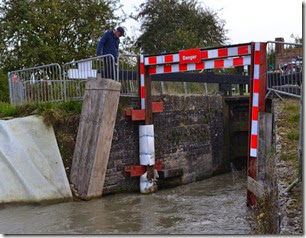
x: 109, y: 44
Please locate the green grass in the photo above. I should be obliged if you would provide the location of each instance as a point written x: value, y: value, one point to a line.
x: 289, y: 128
x: 293, y: 134
x: 51, y: 112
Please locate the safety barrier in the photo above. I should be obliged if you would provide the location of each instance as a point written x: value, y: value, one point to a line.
x: 76, y: 74
x: 51, y: 83
x: 284, y: 77
x: 284, y: 68
x: 127, y: 74
x: 38, y: 84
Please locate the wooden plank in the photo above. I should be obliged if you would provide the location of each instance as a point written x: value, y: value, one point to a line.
x: 139, y: 115
x: 207, y: 77
x: 94, y: 137
x: 255, y: 187
x: 138, y: 170
x: 170, y: 173
x: 264, y: 142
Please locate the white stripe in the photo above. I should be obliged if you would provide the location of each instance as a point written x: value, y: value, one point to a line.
x: 247, y: 60
x: 146, y: 61
x: 256, y: 71
x: 143, y: 103
x: 141, y: 58
x: 176, y: 58
x: 253, y: 152
x: 141, y: 80
x: 160, y: 59
x: 175, y: 68
x: 209, y: 64
x: 255, y: 99
x: 159, y: 69
x: 191, y: 67
x: 254, y: 127
x: 257, y: 46
x: 213, y: 54
x: 228, y: 63
x: 249, y: 49
x: 232, y: 51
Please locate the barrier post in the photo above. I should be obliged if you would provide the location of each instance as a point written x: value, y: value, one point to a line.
x: 257, y: 104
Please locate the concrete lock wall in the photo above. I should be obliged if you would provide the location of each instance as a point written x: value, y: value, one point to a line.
x: 194, y: 133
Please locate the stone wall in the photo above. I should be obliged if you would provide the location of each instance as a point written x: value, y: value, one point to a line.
x: 200, y: 135
x: 189, y: 134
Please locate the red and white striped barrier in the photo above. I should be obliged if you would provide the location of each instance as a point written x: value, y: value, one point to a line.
x: 209, y: 64
x: 255, y: 102
x: 142, y: 83
x: 205, y: 54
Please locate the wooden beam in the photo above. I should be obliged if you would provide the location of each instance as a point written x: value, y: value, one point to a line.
x: 207, y: 77
x: 255, y: 187
x: 94, y: 137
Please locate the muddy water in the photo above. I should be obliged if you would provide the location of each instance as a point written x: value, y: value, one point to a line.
x: 211, y: 206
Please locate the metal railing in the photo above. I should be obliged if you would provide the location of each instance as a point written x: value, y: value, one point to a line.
x: 284, y: 77
x: 284, y: 68
x: 127, y: 74
x: 76, y: 74
x: 38, y: 84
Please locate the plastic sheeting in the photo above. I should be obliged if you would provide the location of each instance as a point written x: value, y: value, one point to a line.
x: 146, y: 145
x: 31, y: 167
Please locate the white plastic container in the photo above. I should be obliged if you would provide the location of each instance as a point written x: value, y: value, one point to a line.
x: 147, y: 186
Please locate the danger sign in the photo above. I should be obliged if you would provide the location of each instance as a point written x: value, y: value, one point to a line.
x: 190, y: 56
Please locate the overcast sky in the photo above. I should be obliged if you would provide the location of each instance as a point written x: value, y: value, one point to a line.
x: 258, y: 20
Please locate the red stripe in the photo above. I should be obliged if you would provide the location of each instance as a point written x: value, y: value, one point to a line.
x: 237, y: 61
x: 257, y: 57
x: 243, y: 50
x: 222, y: 52
x: 152, y: 70
x: 168, y: 58
x: 167, y: 69
x: 204, y: 54
x: 255, y: 113
x: 254, y: 141
x: 182, y: 67
x: 141, y: 68
x: 255, y: 85
x: 152, y: 60
x: 200, y: 66
x: 143, y: 94
x: 219, y: 63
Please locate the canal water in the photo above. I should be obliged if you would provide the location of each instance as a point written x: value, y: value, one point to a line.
x: 213, y: 206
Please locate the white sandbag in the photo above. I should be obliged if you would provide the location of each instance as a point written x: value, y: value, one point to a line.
x: 31, y: 167
x: 146, y: 145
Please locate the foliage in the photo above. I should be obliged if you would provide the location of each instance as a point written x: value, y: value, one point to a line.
x: 36, y: 32
x: 4, y: 88
x: 171, y: 25
x: 297, y: 39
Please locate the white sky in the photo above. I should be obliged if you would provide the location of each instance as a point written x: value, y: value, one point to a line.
x: 258, y: 20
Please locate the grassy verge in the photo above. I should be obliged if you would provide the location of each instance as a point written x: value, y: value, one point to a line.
x: 51, y: 112
x: 289, y: 131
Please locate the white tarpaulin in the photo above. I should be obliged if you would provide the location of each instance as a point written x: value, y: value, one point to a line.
x: 31, y: 167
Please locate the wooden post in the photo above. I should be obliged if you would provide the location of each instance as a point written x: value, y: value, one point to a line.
x: 148, y: 115
x: 257, y: 104
x: 148, y: 93
x: 94, y: 137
